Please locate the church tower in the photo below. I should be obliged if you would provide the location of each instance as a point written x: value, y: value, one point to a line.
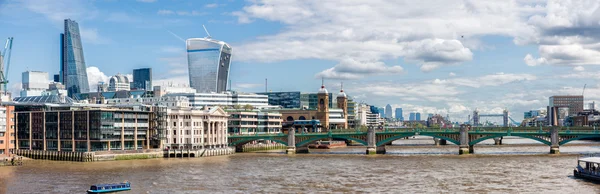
x: 342, y: 103
x: 323, y: 107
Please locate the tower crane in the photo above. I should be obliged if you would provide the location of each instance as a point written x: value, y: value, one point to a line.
x: 5, y: 63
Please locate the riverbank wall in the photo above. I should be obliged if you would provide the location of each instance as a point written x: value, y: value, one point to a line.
x: 260, y: 147
x: 121, y: 154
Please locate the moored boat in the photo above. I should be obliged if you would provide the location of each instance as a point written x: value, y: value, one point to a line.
x: 588, y: 168
x: 109, y: 188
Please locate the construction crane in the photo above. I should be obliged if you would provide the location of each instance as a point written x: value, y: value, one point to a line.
x: 5, y: 64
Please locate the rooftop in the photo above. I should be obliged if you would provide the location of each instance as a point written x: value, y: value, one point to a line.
x: 54, y: 99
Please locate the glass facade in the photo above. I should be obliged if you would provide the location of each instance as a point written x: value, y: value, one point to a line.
x: 313, y: 99
x: 208, y: 64
x: 73, y: 70
x: 142, y: 79
x: 71, y: 129
x: 284, y: 99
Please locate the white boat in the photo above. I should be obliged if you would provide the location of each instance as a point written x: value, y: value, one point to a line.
x: 588, y: 168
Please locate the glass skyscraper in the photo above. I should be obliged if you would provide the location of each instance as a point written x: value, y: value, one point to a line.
x: 142, y: 79
x: 208, y: 63
x: 72, y: 68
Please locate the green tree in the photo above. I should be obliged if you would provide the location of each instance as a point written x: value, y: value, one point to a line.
x: 248, y: 107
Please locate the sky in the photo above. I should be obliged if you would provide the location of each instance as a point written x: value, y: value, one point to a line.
x: 445, y: 57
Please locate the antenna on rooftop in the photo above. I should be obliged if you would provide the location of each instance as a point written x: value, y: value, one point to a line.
x: 208, y: 34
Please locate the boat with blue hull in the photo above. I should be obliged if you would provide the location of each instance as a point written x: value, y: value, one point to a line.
x: 110, y: 188
x: 588, y: 168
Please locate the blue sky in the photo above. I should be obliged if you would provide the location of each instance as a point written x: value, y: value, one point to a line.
x: 446, y: 57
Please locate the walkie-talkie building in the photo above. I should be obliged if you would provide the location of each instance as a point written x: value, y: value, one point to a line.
x: 208, y: 63
x: 72, y: 64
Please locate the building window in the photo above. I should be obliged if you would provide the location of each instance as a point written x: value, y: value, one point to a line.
x: 1, y: 134
x: 1, y: 141
x: 174, y: 140
x: 174, y: 124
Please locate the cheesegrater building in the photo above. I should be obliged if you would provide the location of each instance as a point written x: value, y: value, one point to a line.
x: 72, y: 63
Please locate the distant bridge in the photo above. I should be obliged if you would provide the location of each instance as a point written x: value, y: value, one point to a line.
x: 464, y: 137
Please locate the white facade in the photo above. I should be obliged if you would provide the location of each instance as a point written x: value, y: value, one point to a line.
x: 34, y: 83
x: 162, y: 90
x: 118, y: 83
x: 167, y: 101
x: 189, y: 128
x: 225, y: 99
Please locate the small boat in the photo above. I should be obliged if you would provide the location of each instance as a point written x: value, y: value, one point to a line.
x: 109, y: 188
x: 588, y: 168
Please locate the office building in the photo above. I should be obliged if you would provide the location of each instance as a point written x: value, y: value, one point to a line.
x: 57, y: 123
x: 7, y: 130
x: 34, y: 83
x: 118, y: 83
x: 388, y: 111
x: 381, y: 112
x: 142, y: 79
x: 56, y: 78
x: 208, y: 64
x: 244, y: 122
x: 412, y: 116
x: 312, y: 100
x: 398, y: 113
x: 329, y: 118
x: 189, y: 128
x: 418, y: 116
x: 574, y: 103
x: 531, y: 114
x: 225, y: 99
x: 284, y: 99
x: 73, y: 72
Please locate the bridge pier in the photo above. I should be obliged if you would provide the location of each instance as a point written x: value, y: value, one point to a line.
x: 497, y: 140
x: 439, y: 141
x: 554, y: 148
x: 464, y: 147
x: 372, y: 147
x: 291, y: 148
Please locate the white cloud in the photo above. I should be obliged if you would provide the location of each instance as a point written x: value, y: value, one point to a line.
x: 211, y: 5
x: 578, y: 68
x: 95, y: 76
x: 451, y: 74
x: 181, y: 13
x: 486, y: 80
x: 529, y: 60
x: 247, y: 85
x: 165, y: 12
x: 352, y: 69
x: 146, y: 1
x: 425, y: 33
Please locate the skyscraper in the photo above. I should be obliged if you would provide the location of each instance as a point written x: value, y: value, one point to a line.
x: 208, y: 63
x: 381, y: 112
x: 388, y: 111
x: 418, y: 116
x: 142, y: 79
x: 412, y: 116
x: 72, y: 69
x: 399, y: 114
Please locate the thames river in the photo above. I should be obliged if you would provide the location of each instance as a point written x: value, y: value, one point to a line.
x: 411, y: 166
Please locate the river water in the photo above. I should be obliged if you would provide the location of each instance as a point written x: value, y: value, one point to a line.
x: 411, y: 166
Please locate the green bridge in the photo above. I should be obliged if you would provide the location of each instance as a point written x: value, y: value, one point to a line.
x: 464, y: 137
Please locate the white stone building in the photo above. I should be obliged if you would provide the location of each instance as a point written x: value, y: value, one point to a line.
x: 189, y: 128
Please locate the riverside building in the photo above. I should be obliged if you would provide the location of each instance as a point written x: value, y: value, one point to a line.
x: 253, y: 122
x: 57, y: 123
x: 189, y: 128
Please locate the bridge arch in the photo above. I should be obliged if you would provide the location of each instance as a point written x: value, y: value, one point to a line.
x: 563, y: 142
x: 245, y: 141
x: 314, y: 139
x: 394, y: 138
x: 476, y: 141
